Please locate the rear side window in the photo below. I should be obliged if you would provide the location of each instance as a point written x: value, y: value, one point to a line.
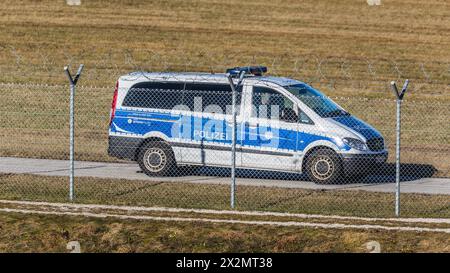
x: 158, y: 95
x: 214, y: 98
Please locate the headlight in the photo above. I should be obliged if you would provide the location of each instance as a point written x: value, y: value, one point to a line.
x: 355, y: 144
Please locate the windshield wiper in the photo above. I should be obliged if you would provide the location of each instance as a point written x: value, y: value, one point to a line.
x: 336, y: 113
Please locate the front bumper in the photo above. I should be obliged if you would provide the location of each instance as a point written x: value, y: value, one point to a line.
x: 363, y: 163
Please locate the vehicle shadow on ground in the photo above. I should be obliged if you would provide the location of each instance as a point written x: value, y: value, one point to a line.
x: 409, y: 172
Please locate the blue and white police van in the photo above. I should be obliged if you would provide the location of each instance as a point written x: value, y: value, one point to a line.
x: 167, y: 120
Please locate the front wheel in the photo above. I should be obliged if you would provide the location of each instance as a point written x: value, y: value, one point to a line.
x: 324, y: 166
x: 156, y: 159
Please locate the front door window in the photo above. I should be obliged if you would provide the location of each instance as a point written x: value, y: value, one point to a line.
x: 270, y: 104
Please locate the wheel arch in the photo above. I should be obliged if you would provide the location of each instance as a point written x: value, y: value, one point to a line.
x: 310, y: 149
x: 151, y: 138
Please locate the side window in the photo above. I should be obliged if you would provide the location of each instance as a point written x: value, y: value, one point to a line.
x: 270, y: 104
x: 212, y: 98
x: 304, y: 119
x: 156, y: 95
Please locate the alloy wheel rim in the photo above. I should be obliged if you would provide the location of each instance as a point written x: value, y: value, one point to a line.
x: 155, y: 159
x: 323, y: 168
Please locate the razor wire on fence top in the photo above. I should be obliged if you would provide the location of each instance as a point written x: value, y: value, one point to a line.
x: 272, y: 148
x: 348, y: 75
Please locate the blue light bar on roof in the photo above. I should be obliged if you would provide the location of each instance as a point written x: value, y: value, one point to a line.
x: 254, y: 70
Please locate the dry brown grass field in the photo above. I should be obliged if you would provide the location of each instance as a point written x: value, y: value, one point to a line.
x: 345, y: 47
x: 26, y: 233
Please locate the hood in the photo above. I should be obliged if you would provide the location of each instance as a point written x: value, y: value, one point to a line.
x: 357, y: 125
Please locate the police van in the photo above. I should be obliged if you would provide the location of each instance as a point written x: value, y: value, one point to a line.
x: 167, y: 120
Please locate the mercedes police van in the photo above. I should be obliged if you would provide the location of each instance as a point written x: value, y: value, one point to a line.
x: 167, y: 120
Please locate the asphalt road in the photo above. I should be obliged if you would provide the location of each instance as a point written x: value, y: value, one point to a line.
x: 216, y: 176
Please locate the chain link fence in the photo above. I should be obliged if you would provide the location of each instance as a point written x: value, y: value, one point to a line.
x: 166, y: 141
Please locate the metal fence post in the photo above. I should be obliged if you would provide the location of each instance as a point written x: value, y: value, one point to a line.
x: 399, y: 96
x: 233, y: 136
x: 73, y: 83
x: 397, y: 158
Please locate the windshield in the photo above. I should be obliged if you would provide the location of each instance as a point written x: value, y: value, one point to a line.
x: 315, y: 100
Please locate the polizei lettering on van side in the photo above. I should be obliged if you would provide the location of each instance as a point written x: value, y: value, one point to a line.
x: 210, y: 135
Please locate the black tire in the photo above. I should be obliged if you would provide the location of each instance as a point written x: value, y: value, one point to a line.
x: 156, y: 158
x: 324, y: 166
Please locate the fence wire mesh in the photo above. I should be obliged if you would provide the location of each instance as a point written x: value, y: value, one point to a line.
x: 166, y: 141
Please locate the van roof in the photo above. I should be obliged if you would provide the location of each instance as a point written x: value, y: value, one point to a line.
x: 200, y: 77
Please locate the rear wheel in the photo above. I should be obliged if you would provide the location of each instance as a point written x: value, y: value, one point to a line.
x: 324, y: 166
x: 156, y: 158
